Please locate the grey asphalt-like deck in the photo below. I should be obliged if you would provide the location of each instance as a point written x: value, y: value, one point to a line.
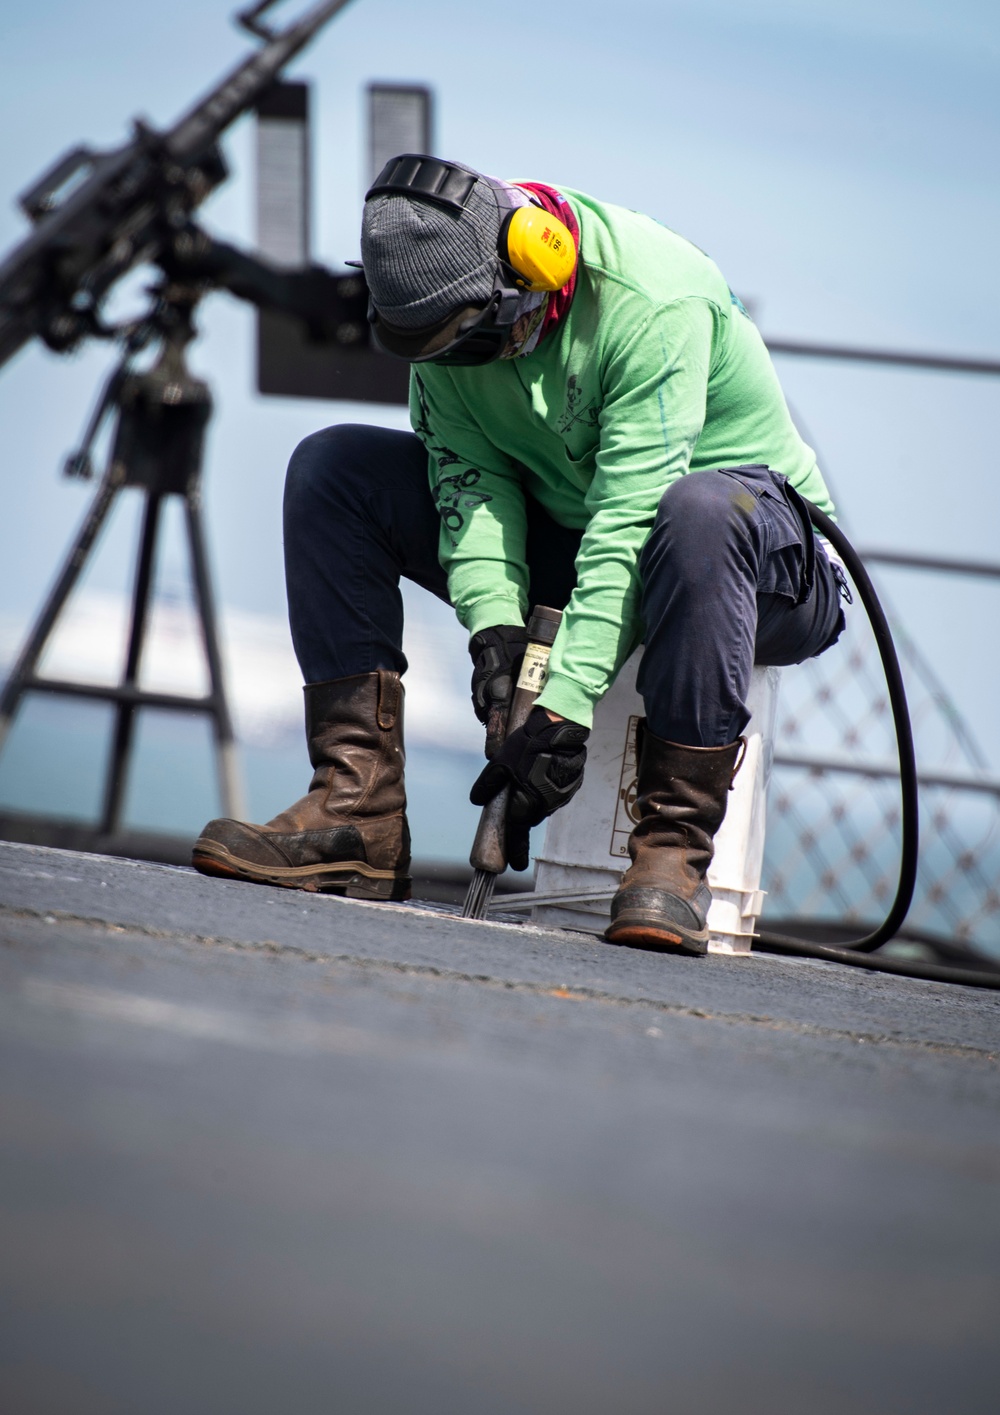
x: 264, y: 1151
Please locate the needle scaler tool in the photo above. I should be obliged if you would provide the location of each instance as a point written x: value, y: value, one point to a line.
x: 489, y: 855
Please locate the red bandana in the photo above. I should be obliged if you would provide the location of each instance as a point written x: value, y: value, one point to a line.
x: 556, y: 205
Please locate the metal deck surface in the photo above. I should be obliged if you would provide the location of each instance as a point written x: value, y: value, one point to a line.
x: 266, y: 1151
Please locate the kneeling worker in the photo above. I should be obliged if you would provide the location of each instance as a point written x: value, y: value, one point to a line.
x: 597, y: 426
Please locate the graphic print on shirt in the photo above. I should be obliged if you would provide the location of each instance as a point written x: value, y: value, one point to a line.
x: 452, y: 494
x: 574, y: 411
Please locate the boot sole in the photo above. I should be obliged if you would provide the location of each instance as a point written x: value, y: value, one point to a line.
x: 649, y: 933
x: 351, y: 878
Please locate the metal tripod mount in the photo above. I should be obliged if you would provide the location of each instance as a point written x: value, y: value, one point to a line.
x: 157, y: 446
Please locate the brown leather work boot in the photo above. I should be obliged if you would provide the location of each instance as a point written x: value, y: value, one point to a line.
x: 663, y: 899
x: 349, y: 834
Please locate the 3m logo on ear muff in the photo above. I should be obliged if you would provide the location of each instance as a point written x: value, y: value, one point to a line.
x: 538, y: 248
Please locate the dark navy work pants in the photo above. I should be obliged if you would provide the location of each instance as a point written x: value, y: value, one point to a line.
x: 730, y: 575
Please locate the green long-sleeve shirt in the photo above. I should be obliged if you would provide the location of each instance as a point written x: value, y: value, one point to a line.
x: 656, y: 371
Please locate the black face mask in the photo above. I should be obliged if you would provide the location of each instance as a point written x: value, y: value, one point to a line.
x: 481, y: 344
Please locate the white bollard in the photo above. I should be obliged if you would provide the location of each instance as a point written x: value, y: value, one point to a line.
x: 585, y: 850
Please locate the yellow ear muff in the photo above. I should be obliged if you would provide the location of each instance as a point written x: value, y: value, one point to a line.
x: 539, y: 248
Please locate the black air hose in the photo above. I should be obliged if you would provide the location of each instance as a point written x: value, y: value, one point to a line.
x: 858, y: 952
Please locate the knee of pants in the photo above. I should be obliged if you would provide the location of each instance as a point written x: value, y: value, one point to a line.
x: 330, y: 464
x: 699, y: 515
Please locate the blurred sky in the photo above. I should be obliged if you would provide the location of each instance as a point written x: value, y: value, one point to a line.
x: 838, y: 160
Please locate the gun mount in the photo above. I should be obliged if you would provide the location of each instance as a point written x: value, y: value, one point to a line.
x: 95, y: 217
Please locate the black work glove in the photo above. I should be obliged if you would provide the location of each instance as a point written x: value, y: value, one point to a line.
x: 496, y: 654
x: 543, y: 763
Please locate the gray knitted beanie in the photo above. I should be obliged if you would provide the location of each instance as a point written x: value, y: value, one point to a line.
x: 422, y: 260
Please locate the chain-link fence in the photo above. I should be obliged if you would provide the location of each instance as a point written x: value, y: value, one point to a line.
x: 834, y: 806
